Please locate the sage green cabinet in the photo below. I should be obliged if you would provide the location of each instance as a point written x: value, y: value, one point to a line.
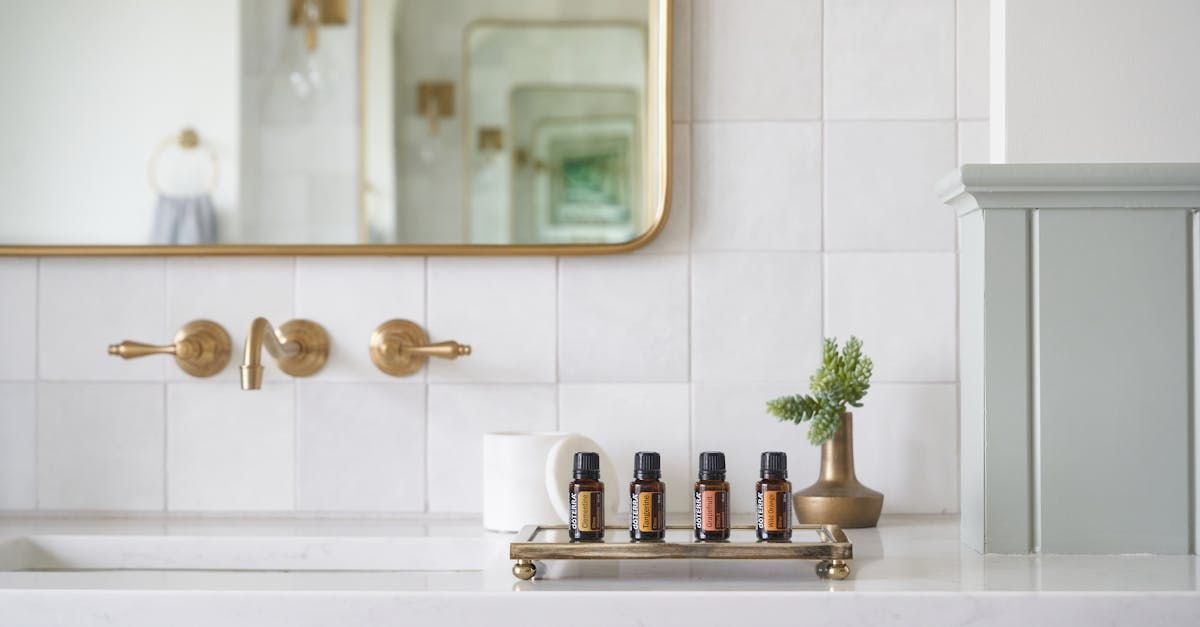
x: 1077, y: 356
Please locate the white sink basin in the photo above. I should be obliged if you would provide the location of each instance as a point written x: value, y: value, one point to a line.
x: 55, y: 552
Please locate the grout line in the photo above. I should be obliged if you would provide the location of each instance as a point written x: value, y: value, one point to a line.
x: 825, y: 187
x: 166, y: 321
x: 425, y: 469
x: 37, y: 384
x: 828, y: 120
x: 954, y: 60
x: 166, y: 477
x: 691, y: 252
x: 958, y: 151
x: 691, y: 199
x: 772, y: 251
x: 295, y: 395
x: 428, y: 383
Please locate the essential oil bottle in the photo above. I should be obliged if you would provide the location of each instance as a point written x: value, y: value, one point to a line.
x: 586, y: 498
x: 773, y: 496
x: 711, y: 512
x: 647, y: 499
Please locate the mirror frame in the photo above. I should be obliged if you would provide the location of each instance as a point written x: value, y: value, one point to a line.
x: 660, y: 10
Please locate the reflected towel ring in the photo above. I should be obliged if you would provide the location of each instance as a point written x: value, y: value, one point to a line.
x: 187, y: 139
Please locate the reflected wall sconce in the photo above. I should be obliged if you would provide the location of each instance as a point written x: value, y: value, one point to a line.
x: 491, y: 138
x: 304, y: 71
x: 201, y: 348
x: 435, y: 100
x: 490, y: 142
x: 312, y: 14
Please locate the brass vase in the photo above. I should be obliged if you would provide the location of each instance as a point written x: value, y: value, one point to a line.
x: 837, y: 497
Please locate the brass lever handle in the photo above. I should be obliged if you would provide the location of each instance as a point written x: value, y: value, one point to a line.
x: 201, y: 348
x: 401, y: 348
x: 130, y: 349
x: 446, y: 350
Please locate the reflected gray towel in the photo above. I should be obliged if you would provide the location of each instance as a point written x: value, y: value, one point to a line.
x: 185, y: 220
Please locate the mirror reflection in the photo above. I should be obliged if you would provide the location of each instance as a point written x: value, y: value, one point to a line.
x: 298, y: 122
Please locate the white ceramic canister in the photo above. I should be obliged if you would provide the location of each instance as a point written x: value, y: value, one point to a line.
x: 525, y: 477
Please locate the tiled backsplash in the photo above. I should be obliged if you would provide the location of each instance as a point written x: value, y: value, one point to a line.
x: 808, y: 141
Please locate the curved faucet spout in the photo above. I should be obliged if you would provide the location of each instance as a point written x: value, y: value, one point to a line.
x: 262, y: 334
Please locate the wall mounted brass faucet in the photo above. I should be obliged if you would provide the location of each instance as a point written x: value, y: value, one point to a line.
x: 401, y: 348
x: 300, y: 348
x: 201, y: 348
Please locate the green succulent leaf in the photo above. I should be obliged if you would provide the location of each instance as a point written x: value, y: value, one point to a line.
x: 842, y: 380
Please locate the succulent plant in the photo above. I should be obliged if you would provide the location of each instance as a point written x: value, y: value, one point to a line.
x: 842, y: 381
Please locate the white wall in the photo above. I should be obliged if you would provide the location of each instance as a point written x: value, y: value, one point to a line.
x: 89, y: 89
x: 803, y: 205
x: 1093, y: 81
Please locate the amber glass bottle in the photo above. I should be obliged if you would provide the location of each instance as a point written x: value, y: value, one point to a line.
x: 647, y: 499
x: 711, y: 501
x: 773, y: 496
x: 586, y: 498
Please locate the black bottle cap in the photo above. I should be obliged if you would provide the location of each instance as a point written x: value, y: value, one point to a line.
x: 774, y: 463
x: 647, y: 465
x: 712, y: 465
x: 587, y: 466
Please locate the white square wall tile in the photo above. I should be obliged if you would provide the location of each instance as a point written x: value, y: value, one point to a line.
x: 757, y: 186
x: 623, y: 318
x: 755, y: 316
x: 675, y: 236
x: 121, y: 299
x: 100, y: 446
x: 757, y: 59
x: 229, y: 449
x: 459, y: 415
x: 906, y: 446
x: 880, y: 179
x: 231, y: 291
x: 625, y: 418
x: 973, y: 58
x: 18, y: 319
x: 973, y: 142
x: 360, y: 447
x: 732, y: 418
x: 351, y: 296
x: 901, y: 305
x: 18, y: 446
x: 892, y: 60
x: 504, y: 308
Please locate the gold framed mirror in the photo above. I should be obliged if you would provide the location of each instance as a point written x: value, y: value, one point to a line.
x: 337, y: 127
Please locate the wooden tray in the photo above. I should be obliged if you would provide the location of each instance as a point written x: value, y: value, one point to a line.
x: 831, y: 550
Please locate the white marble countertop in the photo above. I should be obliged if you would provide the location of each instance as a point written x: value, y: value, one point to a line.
x: 418, y: 570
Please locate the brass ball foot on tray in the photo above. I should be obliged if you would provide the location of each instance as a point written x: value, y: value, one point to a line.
x: 524, y: 570
x: 833, y: 569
